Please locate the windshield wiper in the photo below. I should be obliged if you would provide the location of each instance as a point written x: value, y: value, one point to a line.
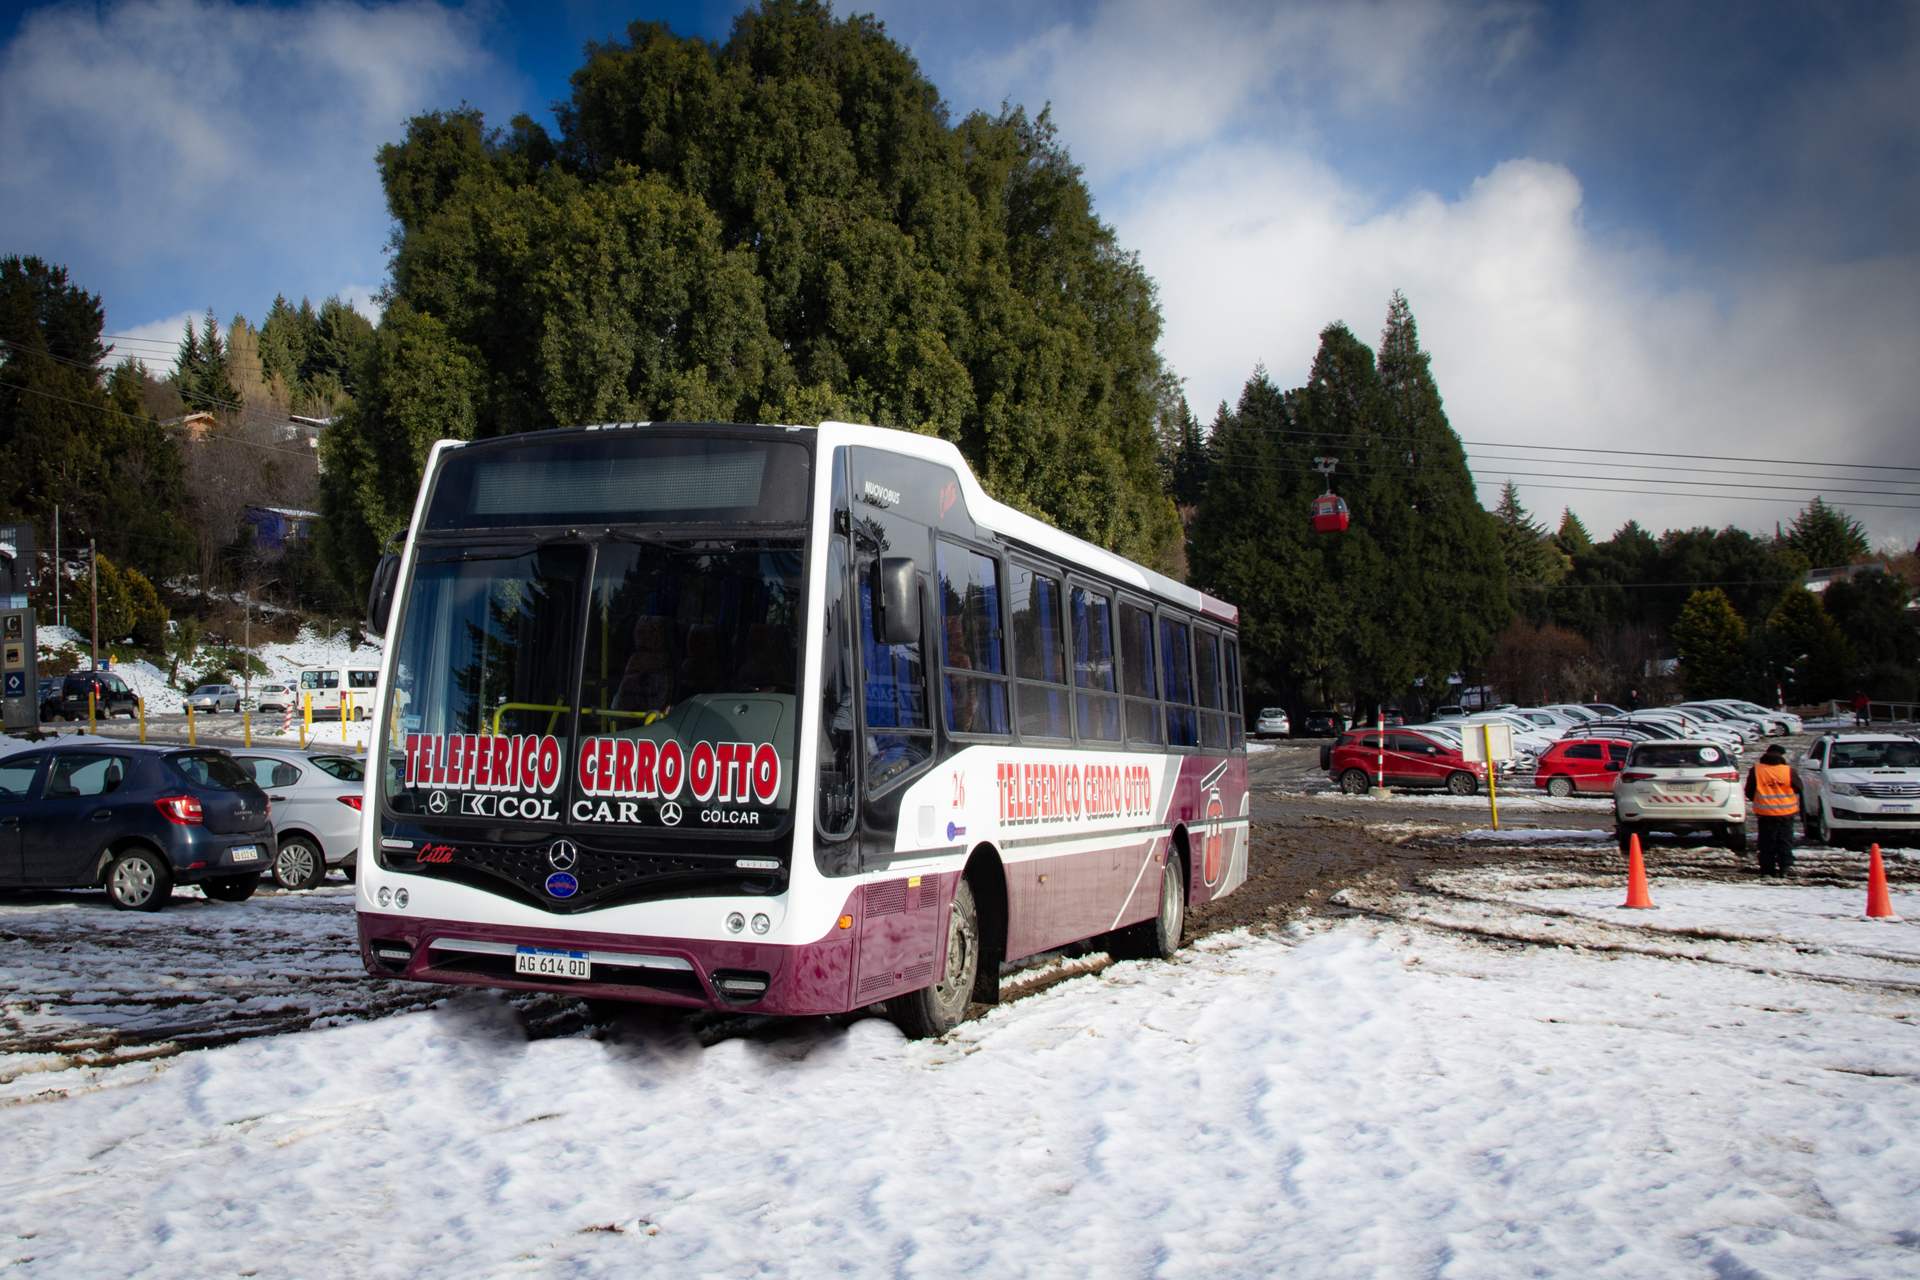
x: 501, y: 553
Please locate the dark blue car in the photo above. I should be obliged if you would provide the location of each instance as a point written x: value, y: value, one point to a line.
x: 137, y: 819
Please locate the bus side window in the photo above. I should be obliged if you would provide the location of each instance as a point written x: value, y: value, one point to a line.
x: 1093, y: 670
x: 1236, y: 736
x: 975, y: 652
x: 898, y: 736
x: 1136, y: 653
x: 1206, y: 683
x: 835, y: 811
x: 1176, y: 668
x: 1039, y: 654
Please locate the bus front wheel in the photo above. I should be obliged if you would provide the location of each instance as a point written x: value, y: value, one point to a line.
x: 938, y: 1009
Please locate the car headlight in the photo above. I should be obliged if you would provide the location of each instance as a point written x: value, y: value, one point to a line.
x: 1843, y: 788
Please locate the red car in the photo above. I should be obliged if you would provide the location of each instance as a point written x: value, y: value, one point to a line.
x: 1407, y: 758
x: 1587, y: 765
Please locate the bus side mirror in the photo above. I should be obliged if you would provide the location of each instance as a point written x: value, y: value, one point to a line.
x: 898, y: 594
x: 386, y: 575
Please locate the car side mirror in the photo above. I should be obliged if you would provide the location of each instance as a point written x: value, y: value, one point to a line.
x: 897, y: 592
x: 1433, y: 751
x: 1614, y: 766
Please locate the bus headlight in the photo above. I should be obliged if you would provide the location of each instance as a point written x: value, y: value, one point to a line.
x: 385, y: 896
x: 736, y: 922
x: 761, y: 924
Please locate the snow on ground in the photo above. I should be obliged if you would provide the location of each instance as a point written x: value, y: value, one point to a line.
x: 1360, y: 1098
x: 1540, y: 835
x: 283, y: 662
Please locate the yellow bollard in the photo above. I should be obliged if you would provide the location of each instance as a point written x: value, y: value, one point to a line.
x: 246, y: 725
x: 306, y: 718
x: 190, y: 739
x: 1493, y: 802
x: 91, y: 691
x: 142, y: 704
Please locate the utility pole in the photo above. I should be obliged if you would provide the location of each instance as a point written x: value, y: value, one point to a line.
x: 56, y: 564
x: 93, y: 579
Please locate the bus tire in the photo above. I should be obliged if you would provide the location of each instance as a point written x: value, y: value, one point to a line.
x: 1158, y: 938
x: 938, y: 1009
x: 1355, y: 782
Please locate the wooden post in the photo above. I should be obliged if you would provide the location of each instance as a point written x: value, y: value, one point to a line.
x: 246, y: 725
x: 190, y: 738
x: 92, y: 691
x: 142, y: 704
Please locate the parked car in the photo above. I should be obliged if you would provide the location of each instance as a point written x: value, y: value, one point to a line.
x: 1271, y: 723
x: 1857, y: 785
x: 1588, y: 766
x: 1748, y: 728
x: 1781, y: 721
x: 1579, y: 714
x: 1407, y: 758
x: 111, y: 696
x: 213, y: 698
x: 1322, y: 724
x: 274, y: 696
x: 50, y: 697
x: 1549, y: 721
x: 1449, y: 712
x: 1690, y: 727
x: 1605, y: 708
x: 316, y: 812
x: 1681, y: 787
x: 137, y: 819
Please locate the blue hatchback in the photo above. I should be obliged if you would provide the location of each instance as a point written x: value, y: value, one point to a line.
x: 137, y: 819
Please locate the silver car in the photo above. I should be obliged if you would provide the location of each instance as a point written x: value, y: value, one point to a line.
x: 275, y: 696
x: 1271, y: 723
x: 214, y: 698
x: 316, y: 811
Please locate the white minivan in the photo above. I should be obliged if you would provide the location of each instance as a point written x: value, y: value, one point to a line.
x: 332, y: 688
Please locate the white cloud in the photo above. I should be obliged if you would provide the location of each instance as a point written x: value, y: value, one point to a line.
x: 238, y: 141
x: 1541, y: 333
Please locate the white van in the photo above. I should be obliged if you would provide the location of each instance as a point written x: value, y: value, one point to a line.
x: 331, y: 688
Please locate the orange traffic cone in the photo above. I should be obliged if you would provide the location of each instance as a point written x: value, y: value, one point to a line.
x: 1879, y: 901
x: 1637, y: 895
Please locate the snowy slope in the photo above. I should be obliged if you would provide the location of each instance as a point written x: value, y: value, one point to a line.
x: 283, y: 661
x: 1357, y: 1100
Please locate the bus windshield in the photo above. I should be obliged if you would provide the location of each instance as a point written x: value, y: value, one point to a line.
x: 675, y: 709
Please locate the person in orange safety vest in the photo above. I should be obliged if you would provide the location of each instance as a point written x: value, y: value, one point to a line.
x: 1773, y: 793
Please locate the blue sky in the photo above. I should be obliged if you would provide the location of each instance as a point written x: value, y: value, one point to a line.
x: 1650, y: 226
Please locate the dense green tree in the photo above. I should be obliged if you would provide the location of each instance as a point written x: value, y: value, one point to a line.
x: 1184, y: 455
x: 1814, y: 647
x: 1572, y: 537
x: 309, y: 356
x: 1531, y: 557
x: 1712, y: 641
x: 129, y: 606
x: 200, y: 372
x: 70, y: 437
x: 778, y: 228
x: 1412, y: 591
x: 1871, y: 611
x: 1827, y: 536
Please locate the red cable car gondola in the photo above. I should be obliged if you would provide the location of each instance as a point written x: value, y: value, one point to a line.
x: 1330, y: 509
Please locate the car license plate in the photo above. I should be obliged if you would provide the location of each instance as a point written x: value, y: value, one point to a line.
x: 246, y: 852
x: 544, y: 963
x: 1896, y: 808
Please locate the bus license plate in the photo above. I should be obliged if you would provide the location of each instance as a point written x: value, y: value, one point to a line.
x: 246, y: 852
x: 544, y: 963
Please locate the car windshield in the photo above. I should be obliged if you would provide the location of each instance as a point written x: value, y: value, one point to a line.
x: 210, y: 769
x: 1893, y: 753
x: 685, y: 689
x: 1267, y: 712
x: 1677, y: 755
x: 207, y: 688
x: 341, y: 767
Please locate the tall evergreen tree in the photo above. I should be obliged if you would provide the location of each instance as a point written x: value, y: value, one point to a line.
x: 1572, y: 538
x: 1712, y: 641
x: 1827, y: 536
x: 777, y: 228
x: 1819, y: 654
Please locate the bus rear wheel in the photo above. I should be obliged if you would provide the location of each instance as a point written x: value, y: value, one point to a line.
x: 1158, y: 938
x: 938, y: 1009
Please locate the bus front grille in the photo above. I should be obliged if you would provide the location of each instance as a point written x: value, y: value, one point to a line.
x: 597, y: 877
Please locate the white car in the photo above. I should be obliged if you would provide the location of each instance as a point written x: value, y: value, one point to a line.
x: 1720, y: 717
x: 1548, y: 719
x: 316, y: 811
x: 1856, y: 785
x: 1271, y: 723
x: 1694, y: 726
x: 1681, y: 787
x: 1784, y: 721
x: 276, y: 696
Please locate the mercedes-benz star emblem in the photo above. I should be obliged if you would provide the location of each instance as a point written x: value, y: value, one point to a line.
x: 670, y: 814
x: 561, y: 854
x: 437, y: 802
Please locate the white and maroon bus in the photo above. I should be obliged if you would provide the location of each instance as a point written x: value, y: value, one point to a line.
x: 791, y: 720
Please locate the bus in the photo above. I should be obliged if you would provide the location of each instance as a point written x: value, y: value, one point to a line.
x: 781, y: 720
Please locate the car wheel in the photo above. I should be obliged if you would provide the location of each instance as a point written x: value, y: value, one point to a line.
x: 1817, y: 829
x: 299, y: 864
x: 348, y: 870
x: 139, y: 881
x: 1461, y: 783
x: 1735, y: 837
x: 231, y: 888
x: 938, y: 1009
x: 1560, y: 787
x: 1624, y: 832
x: 1355, y: 782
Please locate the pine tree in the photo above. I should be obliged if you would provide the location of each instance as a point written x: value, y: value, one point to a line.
x: 1827, y: 536
x: 1819, y: 654
x: 1712, y: 640
x: 1572, y: 538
